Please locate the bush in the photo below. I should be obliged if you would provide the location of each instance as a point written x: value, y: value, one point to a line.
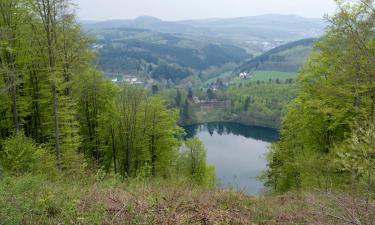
x: 193, y: 163
x: 21, y: 155
x: 35, y: 199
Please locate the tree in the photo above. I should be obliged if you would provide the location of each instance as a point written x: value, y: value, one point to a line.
x: 178, y: 98
x: 93, y: 97
x: 187, y: 114
x: 190, y: 94
x: 9, y: 25
x: 161, y: 131
x: 53, y: 99
x: 357, y: 156
x: 155, y: 89
x: 336, y: 95
x: 210, y: 94
x: 5, y: 123
x: 21, y: 155
x: 47, y: 9
x: 193, y: 158
x: 247, y: 103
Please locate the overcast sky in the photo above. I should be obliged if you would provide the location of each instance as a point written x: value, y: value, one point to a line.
x: 198, y: 9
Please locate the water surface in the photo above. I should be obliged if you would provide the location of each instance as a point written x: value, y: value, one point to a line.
x: 237, y: 151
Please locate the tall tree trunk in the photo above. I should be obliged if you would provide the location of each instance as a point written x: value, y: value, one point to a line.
x: 113, y: 149
x: 153, y: 155
x: 14, y: 104
x: 152, y: 145
x: 56, y: 122
x: 6, y: 11
x: 127, y: 154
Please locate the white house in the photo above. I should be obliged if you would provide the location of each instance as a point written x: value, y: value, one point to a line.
x: 196, y: 100
x: 244, y: 75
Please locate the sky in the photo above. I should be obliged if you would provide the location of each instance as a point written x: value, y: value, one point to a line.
x: 170, y: 10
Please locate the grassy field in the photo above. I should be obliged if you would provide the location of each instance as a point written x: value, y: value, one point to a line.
x: 206, y: 114
x: 263, y: 75
x: 36, y: 200
x: 266, y: 75
x: 223, y: 76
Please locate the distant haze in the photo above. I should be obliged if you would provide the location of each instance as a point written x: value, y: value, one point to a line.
x: 199, y: 9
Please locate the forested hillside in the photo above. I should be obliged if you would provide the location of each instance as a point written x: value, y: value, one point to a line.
x: 191, y: 52
x: 161, y: 56
x: 327, y: 139
x: 61, y: 117
x: 285, y: 58
x: 54, y: 100
x: 78, y: 148
x: 258, y: 103
x: 254, y: 33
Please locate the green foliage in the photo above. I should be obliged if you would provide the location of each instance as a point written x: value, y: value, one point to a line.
x: 5, y: 122
x: 356, y: 157
x: 260, y: 104
x: 193, y: 163
x: 39, y: 201
x: 51, y: 91
x: 323, y: 125
x: 263, y: 75
x: 178, y: 98
x: 285, y: 58
x: 21, y: 155
x: 187, y: 112
x: 163, y: 56
x: 244, y: 102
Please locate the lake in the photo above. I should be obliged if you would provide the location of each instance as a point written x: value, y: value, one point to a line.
x: 237, y: 151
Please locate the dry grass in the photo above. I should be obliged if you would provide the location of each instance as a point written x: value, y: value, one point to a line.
x: 192, y: 205
x: 38, y: 201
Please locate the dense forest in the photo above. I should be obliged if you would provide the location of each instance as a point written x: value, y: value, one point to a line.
x: 77, y: 148
x: 249, y: 102
x: 289, y: 57
x: 327, y: 139
x: 161, y: 56
x: 188, y: 53
x: 58, y: 112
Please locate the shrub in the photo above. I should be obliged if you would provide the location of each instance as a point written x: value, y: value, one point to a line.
x: 21, y: 155
x: 193, y: 163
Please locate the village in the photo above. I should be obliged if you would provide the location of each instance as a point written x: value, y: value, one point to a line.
x: 129, y: 79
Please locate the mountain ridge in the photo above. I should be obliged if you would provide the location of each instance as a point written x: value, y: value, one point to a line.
x: 247, y: 31
x: 209, y: 19
x: 284, y: 58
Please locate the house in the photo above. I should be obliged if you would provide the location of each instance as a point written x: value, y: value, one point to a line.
x: 196, y: 100
x: 130, y: 79
x: 138, y: 83
x: 244, y: 75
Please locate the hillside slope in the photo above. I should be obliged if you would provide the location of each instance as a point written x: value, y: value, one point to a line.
x: 285, y: 58
x: 36, y: 200
x: 256, y: 33
x: 161, y: 55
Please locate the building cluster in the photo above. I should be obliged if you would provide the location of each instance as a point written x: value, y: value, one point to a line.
x: 244, y: 75
x: 127, y: 79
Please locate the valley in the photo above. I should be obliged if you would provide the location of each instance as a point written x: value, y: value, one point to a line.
x: 232, y: 120
x: 200, y: 59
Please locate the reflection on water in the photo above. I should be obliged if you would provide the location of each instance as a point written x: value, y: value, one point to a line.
x: 237, y: 151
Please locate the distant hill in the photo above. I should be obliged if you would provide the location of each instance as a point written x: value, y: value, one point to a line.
x: 161, y: 55
x: 285, y: 58
x: 196, y: 51
x: 144, y: 22
x: 255, y: 33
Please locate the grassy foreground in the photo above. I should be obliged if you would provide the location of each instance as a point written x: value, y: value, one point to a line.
x: 85, y: 200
